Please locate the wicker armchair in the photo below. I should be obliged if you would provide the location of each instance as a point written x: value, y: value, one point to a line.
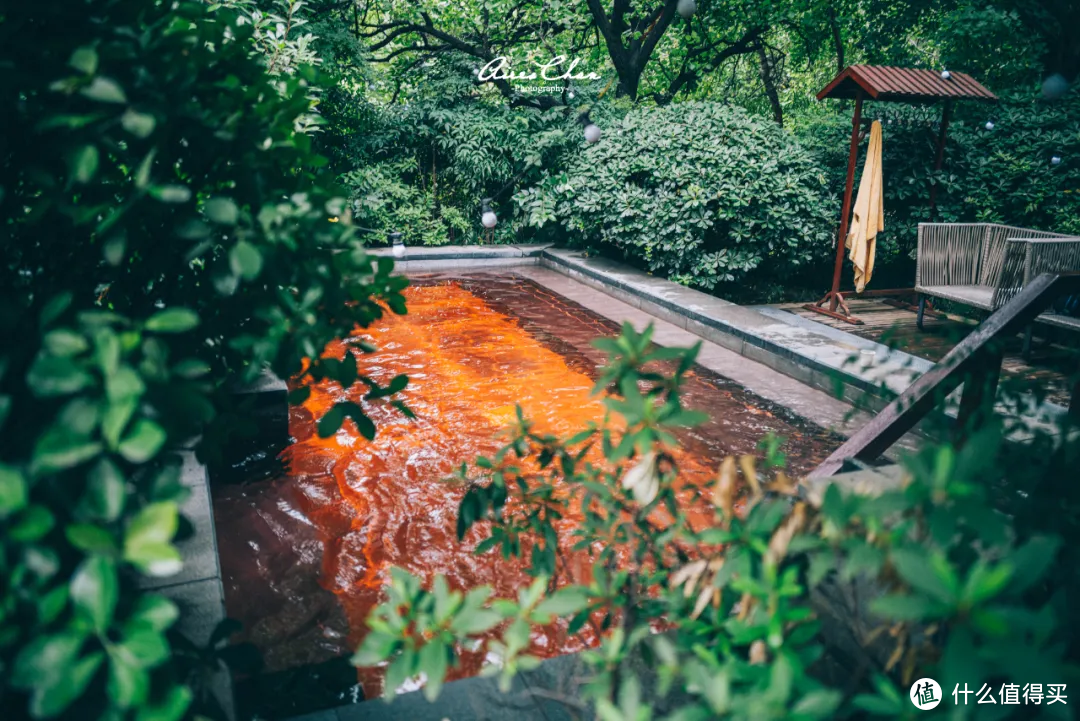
x: 962, y: 262
x: 983, y: 265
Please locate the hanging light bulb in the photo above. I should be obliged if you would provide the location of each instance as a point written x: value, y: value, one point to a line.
x: 1055, y: 86
x: 686, y: 8
x: 1055, y: 159
x: 397, y: 246
x: 989, y: 125
x: 945, y: 75
x: 487, y: 216
x: 592, y: 130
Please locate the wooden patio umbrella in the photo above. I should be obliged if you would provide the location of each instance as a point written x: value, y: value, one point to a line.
x: 891, y: 85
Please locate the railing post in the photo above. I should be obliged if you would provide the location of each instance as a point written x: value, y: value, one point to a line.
x: 980, y: 389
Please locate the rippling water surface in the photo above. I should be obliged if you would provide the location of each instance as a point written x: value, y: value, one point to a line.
x: 305, y: 555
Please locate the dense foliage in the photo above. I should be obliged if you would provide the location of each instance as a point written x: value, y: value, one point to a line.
x: 166, y: 235
x: 702, y: 193
x: 789, y: 604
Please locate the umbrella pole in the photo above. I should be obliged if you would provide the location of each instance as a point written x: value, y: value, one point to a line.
x: 834, y: 296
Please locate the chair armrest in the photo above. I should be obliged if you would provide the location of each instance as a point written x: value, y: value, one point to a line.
x: 1028, y: 258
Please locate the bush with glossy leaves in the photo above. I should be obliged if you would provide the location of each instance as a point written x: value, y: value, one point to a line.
x: 702, y: 193
x: 167, y: 234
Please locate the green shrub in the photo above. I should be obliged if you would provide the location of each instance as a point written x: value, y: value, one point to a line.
x: 702, y: 193
x: 167, y: 235
x: 426, y: 165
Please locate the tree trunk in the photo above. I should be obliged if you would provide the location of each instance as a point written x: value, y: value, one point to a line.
x: 838, y: 41
x: 768, y: 78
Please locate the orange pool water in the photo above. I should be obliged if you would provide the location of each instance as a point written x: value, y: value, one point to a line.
x: 305, y: 555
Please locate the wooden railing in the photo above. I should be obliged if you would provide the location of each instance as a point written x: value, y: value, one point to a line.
x: 975, y: 362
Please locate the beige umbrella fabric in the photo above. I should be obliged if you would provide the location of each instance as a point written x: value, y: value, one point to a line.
x: 868, y: 216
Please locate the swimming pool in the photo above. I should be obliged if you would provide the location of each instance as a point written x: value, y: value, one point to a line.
x: 304, y: 555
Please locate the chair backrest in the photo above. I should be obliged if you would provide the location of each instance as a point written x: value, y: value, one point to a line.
x: 949, y: 253
x: 1028, y: 258
x: 995, y: 246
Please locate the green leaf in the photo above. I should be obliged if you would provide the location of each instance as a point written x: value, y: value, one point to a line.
x: 156, y: 523
x: 1031, y: 561
x: 143, y: 442
x: 128, y: 684
x: 91, y: 539
x: 222, y: 211
x: 400, y: 669
x: 157, y: 612
x: 919, y: 570
x: 818, y: 704
x: 155, y: 558
x: 57, y: 451
x: 54, y: 308
x: 124, y: 383
x: 191, y: 368
x: 116, y: 418
x: 173, y: 320
x: 245, y: 260
x: 59, y: 692
x: 171, y: 708
x: 64, y: 342
x: 146, y: 543
x: 563, y: 602
x: 433, y: 664
x: 985, y: 582
x: 877, y: 705
x: 375, y: 648
x: 84, y: 164
x: 171, y: 193
x: 85, y: 60
x: 52, y: 376
x: 94, y: 590
x: 104, y: 90
x: 141, y: 125
x: 105, y: 491
x: 142, y: 647
x: 13, y: 491
x: 45, y: 656
x: 902, y: 607
x: 31, y: 524
x: 331, y: 421
x: 298, y: 395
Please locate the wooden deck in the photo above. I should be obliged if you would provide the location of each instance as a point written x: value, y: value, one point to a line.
x: 1048, y: 368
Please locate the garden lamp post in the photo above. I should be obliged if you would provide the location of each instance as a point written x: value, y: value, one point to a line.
x: 397, y: 246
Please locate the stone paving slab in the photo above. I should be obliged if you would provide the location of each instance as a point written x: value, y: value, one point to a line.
x: 867, y: 374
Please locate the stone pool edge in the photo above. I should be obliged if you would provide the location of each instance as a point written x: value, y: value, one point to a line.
x: 861, y: 372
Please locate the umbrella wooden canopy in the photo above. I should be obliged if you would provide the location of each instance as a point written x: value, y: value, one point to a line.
x: 896, y: 85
